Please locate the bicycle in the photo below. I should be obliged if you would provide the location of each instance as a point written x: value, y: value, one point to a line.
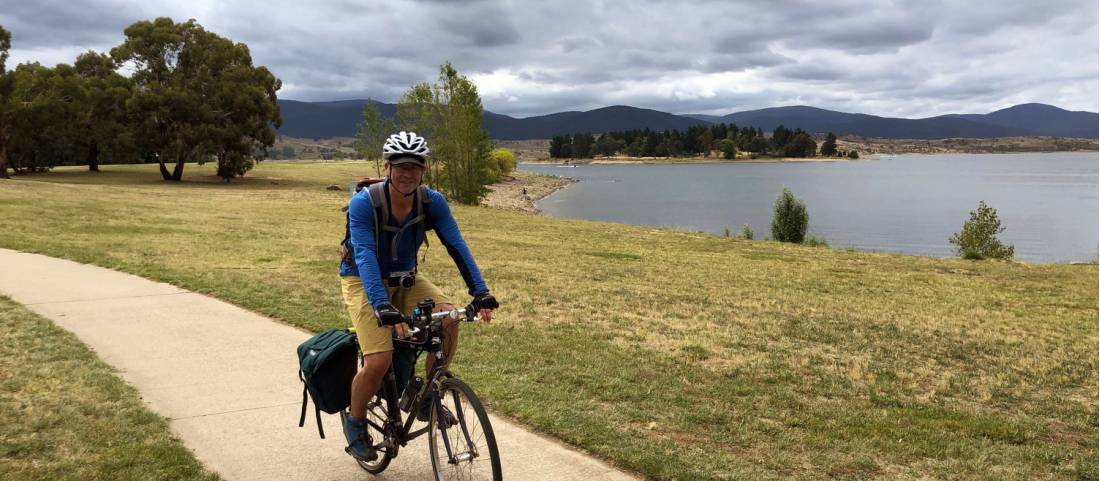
x: 459, y: 444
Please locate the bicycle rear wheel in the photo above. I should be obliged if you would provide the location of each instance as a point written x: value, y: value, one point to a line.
x: 378, y: 416
x: 461, y: 444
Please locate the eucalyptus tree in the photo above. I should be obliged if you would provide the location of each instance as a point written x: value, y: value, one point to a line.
x: 42, y: 109
x: 197, y: 97
x: 828, y: 147
x: 34, y: 103
x: 6, y: 106
x: 101, y: 125
x: 243, y: 99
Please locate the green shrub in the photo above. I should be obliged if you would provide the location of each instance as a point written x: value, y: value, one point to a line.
x: 815, y: 241
x: 978, y: 239
x: 853, y: 154
x: 745, y: 233
x: 501, y: 162
x: 790, y: 220
x: 729, y: 149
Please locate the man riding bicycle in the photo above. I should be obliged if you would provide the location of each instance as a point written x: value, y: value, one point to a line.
x: 386, y: 226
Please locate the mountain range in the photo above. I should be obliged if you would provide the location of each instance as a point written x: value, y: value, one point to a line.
x: 341, y: 119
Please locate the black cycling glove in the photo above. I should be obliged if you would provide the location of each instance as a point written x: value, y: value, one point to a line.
x: 485, y: 301
x: 388, y: 315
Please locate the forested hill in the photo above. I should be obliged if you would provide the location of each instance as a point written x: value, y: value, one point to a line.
x: 324, y: 120
x: 340, y: 119
x: 1026, y: 119
x: 607, y: 119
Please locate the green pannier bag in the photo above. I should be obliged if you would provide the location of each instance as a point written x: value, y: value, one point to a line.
x: 327, y: 363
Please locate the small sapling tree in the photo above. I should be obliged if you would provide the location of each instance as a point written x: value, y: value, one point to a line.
x: 978, y: 238
x: 790, y: 219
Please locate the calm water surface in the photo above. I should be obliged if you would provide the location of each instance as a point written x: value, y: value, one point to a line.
x: 905, y: 203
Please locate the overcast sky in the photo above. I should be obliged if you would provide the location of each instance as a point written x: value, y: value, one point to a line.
x: 905, y: 59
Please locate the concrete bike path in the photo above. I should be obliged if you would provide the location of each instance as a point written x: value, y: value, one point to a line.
x: 226, y: 378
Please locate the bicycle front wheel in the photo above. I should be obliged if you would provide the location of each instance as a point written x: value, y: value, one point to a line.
x: 462, y: 444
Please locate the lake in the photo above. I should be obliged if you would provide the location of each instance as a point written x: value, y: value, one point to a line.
x: 906, y: 203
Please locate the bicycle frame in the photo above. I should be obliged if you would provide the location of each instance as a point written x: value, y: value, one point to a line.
x: 432, y: 344
x: 428, y: 336
x: 405, y: 433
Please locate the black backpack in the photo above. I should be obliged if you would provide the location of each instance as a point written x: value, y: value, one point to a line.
x: 327, y: 363
x: 380, y: 201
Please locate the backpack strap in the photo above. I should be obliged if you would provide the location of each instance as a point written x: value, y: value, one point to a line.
x: 305, y: 402
x: 380, y: 199
x: 345, y: 246
x: 381, y: 203
x: 426, y: 224
x: 305, y: 399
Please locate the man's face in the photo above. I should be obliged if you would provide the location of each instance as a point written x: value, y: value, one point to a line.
x: 406, y: 177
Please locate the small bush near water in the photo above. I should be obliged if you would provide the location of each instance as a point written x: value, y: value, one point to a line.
x: 978, y: 239
x: 746, y: 232
x: 790, y: 220
x: 815, y: 241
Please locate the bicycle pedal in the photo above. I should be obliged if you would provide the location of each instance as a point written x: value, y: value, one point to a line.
x: 374, y: 455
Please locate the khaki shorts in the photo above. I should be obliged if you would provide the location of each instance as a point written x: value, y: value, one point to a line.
x: 372, y: 337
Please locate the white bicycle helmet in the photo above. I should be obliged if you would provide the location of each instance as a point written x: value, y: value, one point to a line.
x: 405, y: 147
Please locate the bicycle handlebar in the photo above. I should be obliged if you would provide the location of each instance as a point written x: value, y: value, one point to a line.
x: 468, y: 314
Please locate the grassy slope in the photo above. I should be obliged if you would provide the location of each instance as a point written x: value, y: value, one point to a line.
x: 677, y: 355
x: 68, y: 417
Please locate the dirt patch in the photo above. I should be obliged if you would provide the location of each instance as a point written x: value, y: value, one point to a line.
x: 521, y: 190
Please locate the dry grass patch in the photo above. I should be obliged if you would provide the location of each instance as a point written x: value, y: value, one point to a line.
x: 68, y: 417
x: 756, y: 360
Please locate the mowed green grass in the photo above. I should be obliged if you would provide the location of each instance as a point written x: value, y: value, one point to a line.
x: 66, y: 416
x: 676, y: 355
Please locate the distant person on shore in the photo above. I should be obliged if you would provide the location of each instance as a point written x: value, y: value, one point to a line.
x: 387, y: 224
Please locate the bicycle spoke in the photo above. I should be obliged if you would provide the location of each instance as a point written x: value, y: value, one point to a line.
x: 464, y: 450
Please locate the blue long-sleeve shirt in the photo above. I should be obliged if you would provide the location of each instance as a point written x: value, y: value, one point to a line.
x: 374, y: 262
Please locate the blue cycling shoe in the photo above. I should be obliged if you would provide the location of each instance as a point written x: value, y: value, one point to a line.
x: 359, y: 443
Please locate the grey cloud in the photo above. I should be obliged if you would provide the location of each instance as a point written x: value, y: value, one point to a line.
x: 873, y: 38
x: 816, y: 71
x: 743, y: 61
x: 576, y: 43
x: 480, y: 24
x: 888, y: 58
x: 53, y: 23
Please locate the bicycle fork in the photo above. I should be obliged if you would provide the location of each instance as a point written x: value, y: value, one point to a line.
x: 471, y: 451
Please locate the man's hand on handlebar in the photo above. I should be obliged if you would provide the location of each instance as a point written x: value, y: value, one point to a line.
x: 391, y: 318
x: 485, y: 303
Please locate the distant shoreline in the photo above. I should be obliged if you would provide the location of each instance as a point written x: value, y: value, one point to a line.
x: 537, y: 150
x: 521, y: 190
x: 761, y: 160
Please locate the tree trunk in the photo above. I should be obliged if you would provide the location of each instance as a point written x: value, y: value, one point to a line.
x: 177, y: 173
x: 93, y: 158
x: 164, y: 170
x: 3, y: 155
x: 4, y: 162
